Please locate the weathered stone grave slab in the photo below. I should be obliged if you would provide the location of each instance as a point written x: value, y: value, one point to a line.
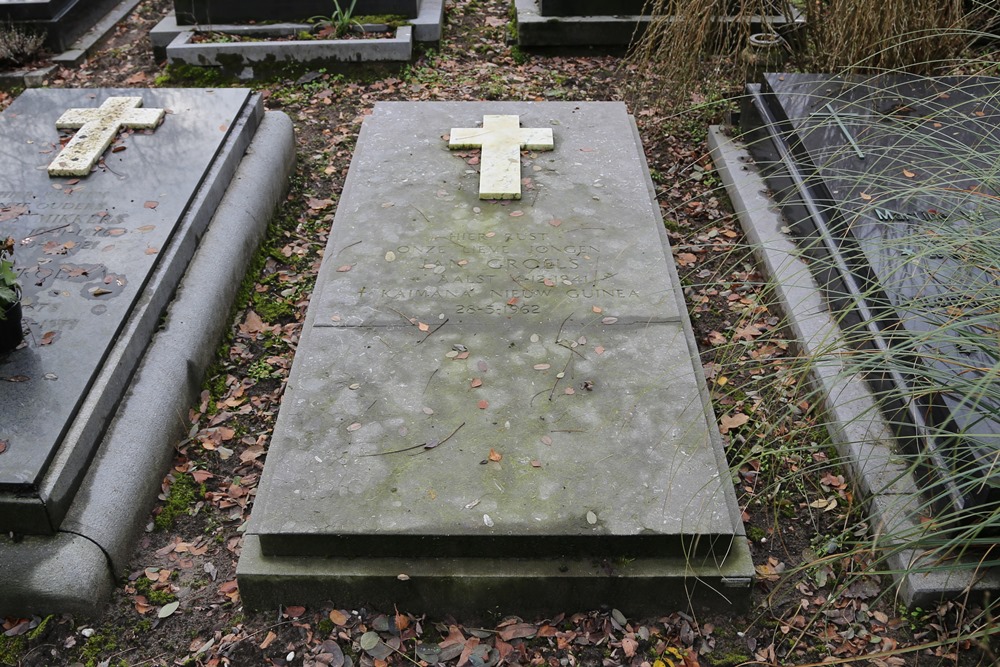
x: 491, y: 397
x: 887, y: 182
x: 86, y: 256
x: 89, y: 403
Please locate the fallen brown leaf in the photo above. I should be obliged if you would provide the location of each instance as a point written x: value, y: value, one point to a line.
x: 731, y: 421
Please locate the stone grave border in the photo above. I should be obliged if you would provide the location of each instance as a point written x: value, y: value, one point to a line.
x: 76, y: 570
x: 855, y: 423
x: 172, y: 41
x: 248, y: 55
x: 80, y: 49
x: 535, y: 30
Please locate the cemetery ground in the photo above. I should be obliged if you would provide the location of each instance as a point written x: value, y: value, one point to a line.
x: 818, y: 598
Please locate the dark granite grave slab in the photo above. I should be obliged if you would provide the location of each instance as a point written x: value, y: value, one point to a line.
x: 22, y: 10
x: 887, y: 181
x: 568, y: 23
x: 201, y: 12
x: 591, y: 7
x: 619, y: 7
x: 494, y: 380
x: 98, y: 258
x: 62, y: 21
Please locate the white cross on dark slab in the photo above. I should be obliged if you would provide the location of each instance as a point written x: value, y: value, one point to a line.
x: 501, y: 138
x: 96, y: 129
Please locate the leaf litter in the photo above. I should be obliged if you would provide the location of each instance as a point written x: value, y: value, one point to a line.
x: 194, y: 562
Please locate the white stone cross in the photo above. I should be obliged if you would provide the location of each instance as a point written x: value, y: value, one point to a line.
x: 97, y: 128
x: 501, y: 138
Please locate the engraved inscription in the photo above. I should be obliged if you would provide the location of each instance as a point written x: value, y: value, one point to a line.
x: 928, y: 215
x: 507, y: 273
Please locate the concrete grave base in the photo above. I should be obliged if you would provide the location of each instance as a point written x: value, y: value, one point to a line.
x: 161, y: 204
x: 497, y: 404
x: 481, y: 587
x: 862, y: 437
x: 84, y: 46
x: 75, y: 569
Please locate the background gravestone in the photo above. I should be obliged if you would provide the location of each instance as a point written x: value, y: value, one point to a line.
x: 620, y: 7
x: 195, y: 12
x: 573, y: 23
x: 591, y: 7
x: 175, y: 37
x: 887, y: 182
x: 62, y: 21
x: 491, y: 398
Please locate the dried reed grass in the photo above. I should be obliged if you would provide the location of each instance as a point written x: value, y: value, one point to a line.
x: 18, y: 45
x: 919, y: 36
x: 683, y: 32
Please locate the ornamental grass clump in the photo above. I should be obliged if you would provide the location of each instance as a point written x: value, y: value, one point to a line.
x: 922, y: 515
x: 793, y: 459
x: 340, y: 22
x: 10, y: 290
x: 920, y: 36
x: 689, y: 40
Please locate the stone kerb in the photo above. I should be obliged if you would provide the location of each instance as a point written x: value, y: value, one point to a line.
x: 241, y: 58
x: 204, y: 12
x: 591, y: 7
x: 170, y: 34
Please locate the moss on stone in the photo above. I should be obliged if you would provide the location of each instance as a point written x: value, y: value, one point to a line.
x: 11, y: 649
x: 391, y: 20
x: 97, y: 644
x: 271, y: 309
x: 205, y: 77
x: 324, y: 627
x: 155, y: 596
x: 184, y: 492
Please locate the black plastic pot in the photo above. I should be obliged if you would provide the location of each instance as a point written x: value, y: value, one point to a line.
x: 10, y: 328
